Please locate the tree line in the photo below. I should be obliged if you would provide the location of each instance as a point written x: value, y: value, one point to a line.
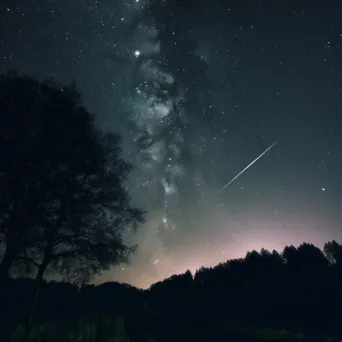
x: 299, y: 289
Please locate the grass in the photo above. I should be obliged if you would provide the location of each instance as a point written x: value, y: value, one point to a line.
x: 108, y: 330
x: 271, y: 335
x: 113, y: 330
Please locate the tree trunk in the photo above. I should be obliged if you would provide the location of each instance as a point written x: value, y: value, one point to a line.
x: 39, y: 278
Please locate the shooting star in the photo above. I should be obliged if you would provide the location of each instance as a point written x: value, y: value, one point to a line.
x: 247, y: 167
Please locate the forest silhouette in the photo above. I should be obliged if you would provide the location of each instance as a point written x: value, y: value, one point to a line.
x: 63, y: 210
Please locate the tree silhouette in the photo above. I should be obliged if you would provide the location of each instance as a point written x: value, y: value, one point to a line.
x: 63, y: 203
x: 333, y: 252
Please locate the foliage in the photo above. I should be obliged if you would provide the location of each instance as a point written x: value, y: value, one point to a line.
x: 63, y: 201
x: 79, y: 331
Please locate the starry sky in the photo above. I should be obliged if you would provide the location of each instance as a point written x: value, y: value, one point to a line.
x: 246, y: 74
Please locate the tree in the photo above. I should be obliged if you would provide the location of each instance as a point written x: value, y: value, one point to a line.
x: 63, y: 204
x: 333, y: 251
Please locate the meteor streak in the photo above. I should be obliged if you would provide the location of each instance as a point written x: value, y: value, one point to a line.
x: 247, y: 167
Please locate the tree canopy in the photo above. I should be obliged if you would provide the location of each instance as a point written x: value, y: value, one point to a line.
x: 63, y: 200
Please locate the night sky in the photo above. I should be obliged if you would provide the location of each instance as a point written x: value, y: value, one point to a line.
x: 235, y: 77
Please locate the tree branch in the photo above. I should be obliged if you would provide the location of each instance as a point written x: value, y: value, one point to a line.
x: 31, y: 261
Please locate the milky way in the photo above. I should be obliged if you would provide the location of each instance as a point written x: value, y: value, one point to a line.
x: 156, y: 101
x: 197, y: 93
x: 158, y: 116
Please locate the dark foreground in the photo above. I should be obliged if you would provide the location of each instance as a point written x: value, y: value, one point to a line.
x: 267, y: 296
x: 115, y: 330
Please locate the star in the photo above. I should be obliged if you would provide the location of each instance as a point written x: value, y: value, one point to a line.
x: 207, y: 109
